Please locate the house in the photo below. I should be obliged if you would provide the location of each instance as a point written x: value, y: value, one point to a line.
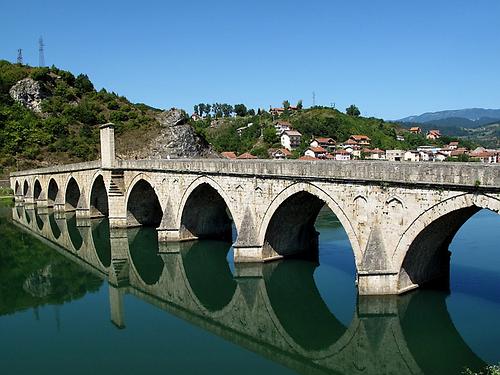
x: 375, y: 154
x: 246, y: 155
x: 440, y: 156
x: 316, y: 152
x: 279, y: 154
x: 426, y: 155
x: 341, y: 155
x: 360, y: 140
x: 415, y: 130
x: 453, y: 145
x: 290, y: 139
x: 327, y: 143
x: 459, y: 151
x: 394, y: 155
x: 228, y: 154
x: 433, y: 134
x: 400, y: 138
x: 412, y: 155
x: 279, y: 111
x: 486, y: 156
x: 281, y: 126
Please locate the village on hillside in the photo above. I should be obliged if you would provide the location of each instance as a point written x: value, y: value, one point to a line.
x: 358, y: 146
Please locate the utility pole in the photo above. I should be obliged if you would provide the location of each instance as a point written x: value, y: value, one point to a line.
x: 41, y: 56
x: 20, y: 56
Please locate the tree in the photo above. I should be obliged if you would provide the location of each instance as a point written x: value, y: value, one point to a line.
x: 352, y: 110
x: 299, y: 105
x: 240, y: 110
x: 83, y: 84
x: 251, y: 112
x: 226, y: 109
x: 286, y: 105
x: 196, y: 109
x: 208, y: 108
x: 269, y: 135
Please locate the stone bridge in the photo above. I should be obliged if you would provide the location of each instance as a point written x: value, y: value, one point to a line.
x: 399, y: 217
x: 255, y: 307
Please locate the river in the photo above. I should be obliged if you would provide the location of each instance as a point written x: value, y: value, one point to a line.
x: 86, y: 300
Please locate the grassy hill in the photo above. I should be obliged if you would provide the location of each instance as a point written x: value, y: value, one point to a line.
x: 67, y: 128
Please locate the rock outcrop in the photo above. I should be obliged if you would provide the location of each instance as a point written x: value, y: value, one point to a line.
x: 29, y: 93
x: 173, y: 139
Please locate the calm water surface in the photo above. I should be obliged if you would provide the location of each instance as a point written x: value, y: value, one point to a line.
x: 89, y: 300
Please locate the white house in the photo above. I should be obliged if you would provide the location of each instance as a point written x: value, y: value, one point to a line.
x: 394, y: 155
x: 341, y: 155
x: 412, y: 155
x: 316, y: 152
x: 282, y: 126
x: 290, y: 139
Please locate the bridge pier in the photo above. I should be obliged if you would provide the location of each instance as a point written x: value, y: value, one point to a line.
x: 377, y: 283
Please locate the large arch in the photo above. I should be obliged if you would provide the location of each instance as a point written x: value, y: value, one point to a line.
x: 422, y: 255
x: 52, y: 192
x: 72, y: 196
x: 37, y: 189
x: 204, y: 212
x: 143, y: 205
x: 300, y: 204
x: 99, y: 206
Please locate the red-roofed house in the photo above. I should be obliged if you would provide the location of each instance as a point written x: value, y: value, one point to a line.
x: 415, y: 130
x: 316, y: 152
x: 246, y: 155
x: 341, y: 155
x: 328, y: 143
x: 433, y: 134
x: 306, y: 157
x: 279, y: 154
x: 228, y: 154
x: 361, y: 140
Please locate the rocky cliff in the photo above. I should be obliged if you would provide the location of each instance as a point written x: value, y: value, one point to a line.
x: 29, y: 93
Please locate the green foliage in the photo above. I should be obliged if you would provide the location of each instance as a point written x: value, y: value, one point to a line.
x: 240, y: 110
x: 352, y: 110
x: 488, y: 370
x: 83, y: 84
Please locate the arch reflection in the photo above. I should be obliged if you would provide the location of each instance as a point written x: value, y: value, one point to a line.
x: 102, y: 244
x: 143, y: 247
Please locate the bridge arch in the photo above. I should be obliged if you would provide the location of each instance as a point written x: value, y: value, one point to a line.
x: 37, y: 189
x: 72, y: 194
x: 205, y: 211
x: 52, y: 192
x: 422, y: 255
x: 17, y: 189
x: 98, y: 198
x: 300, y: 202
x: 142, y: 203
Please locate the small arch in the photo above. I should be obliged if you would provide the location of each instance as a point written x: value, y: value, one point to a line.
x: 52, y: 192
x: 26, y: 187
x: 37, y: 189
x: 72, y: 196
x: 99, y: 198
x: 143, y: 205
x: 395, y: 210
x: 361, y: 208
x: 205, y: 213
x: 17, y: 187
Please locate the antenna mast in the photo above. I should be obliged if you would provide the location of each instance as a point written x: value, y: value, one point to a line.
x: 20, y: 56
x: 314, y: 99
x: 41, y: 57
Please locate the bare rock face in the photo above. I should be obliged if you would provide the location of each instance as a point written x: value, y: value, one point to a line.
x: 29, y: 93
x: 176, y: 139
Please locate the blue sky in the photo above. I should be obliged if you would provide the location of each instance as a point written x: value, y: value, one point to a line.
x: 392, y: 58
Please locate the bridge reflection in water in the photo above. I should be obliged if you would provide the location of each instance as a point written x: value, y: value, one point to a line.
x: 273, y: 309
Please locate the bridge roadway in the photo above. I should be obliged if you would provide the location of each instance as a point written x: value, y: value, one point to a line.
x: 255, y: 308
x: 399, y: 217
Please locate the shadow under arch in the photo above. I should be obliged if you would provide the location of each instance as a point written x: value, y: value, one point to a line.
x: 99, y: 206
x: 299, y: 307
x: 39, y: 221
x: 143, y: 205
x: 72, y: 195
x: 143, y: 248
x: 205, y: 214
x: 426, y: 262
x: 288, y: 224
x: 37, y: 189
x: 208, y: 274
x: 101, y: 240
x: 73, y: 232
x: 431, y: 337
x: 56, y: 231
x: 26, y: 187
x: 52, y: 192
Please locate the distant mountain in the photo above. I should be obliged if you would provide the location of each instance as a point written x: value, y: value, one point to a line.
x: 475, y: 115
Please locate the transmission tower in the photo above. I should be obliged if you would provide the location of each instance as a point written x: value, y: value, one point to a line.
x: 314, y: 99
x: 41, y: 57
x: 20, y: 56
